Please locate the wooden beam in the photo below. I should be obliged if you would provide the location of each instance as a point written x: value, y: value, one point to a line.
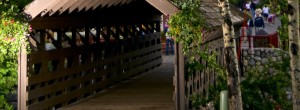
x: 58, y: 5
x: 90, y: 5
x: 79, y: 22
x: 123, y: 33
x: 22, y: 78
x: 42, y: 40
x: 142, y: 29
x: 97, y: 36
x: 108, y: 34
x: 152, y: 27
x: 131, y: 33
x: 179, y: 75
x: 84, y: 4
x: 38, y: 6
x: 114, y: 2
x: 128, y: 1
x: 86, y: 35
x: 163, y: 6
x: 124, y: 1
x: 75, y: 5
x: 104, y: 3
x: 49, y: 7
x: 157, y: 28
x: 56, y: 43
x: 112, y: 33
x: 81, y: 38
x: 97, y: 4
x: 73, y: 42
x: 104, y: 35
x: 67, y: 6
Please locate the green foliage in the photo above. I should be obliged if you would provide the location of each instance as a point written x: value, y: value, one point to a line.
x: 262, y: 89
x: 283, y: 31
x: 13, y: 28
x: 187, y: 25
x: 214, y: 91
x: 4, y: 103
x: 265, y: 90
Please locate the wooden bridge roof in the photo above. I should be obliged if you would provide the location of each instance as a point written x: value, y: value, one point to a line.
x: 51, y: 7
x: 63, y: 12
x: 54, y: 14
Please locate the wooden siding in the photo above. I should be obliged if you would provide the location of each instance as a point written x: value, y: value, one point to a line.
x: 59, y: 77
x: 85, y: 61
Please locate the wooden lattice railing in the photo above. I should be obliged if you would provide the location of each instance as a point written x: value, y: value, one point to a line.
x: 105, y: 57
x: 264, y: 41
x: 199, y: 82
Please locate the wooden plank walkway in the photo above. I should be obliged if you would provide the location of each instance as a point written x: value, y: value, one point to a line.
x: 152, y: 90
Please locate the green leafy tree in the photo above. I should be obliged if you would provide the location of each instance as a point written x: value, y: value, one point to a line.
x: 13, y: 28
x: 267, y: 97
x: 187, y: 26
x: 288, y: 11
x: 266, y: 88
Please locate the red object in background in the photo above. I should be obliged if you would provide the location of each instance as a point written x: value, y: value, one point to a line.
x: 273, y: 40
x: 241, y: 37
x: 269, y: 41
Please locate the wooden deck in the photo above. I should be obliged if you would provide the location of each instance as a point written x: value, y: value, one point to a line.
x: 152, y: 90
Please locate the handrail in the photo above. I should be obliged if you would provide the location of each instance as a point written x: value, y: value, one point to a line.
x: 266, y: 41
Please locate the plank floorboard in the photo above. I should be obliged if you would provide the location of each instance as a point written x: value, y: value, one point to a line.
x: 152, y: 90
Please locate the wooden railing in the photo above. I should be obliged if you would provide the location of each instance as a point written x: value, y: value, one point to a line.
x: 262, y: 41
x: 59, y: 77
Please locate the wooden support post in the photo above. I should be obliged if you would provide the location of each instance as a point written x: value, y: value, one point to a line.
x: 86, y: 35
x: 97, y: 36
x: 157, y: 28
x: 152, y: 27
x: 42, y: 40
x: 57, y: 43
x: 179, y: 75
x: 117, y: 33
x: 60, y: 34
x: 73, y: 41
x: 107, y: 32
x: 22, y: 78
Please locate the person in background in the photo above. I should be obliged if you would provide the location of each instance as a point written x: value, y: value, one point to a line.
x: 48, y: 43
x: 247, y: 6
x: 258, y: 21
x: 271, y: 18
x: 169, y: 43
x: 252, y: 8
x: 166, y: 27
x: 250, y: 26
x: 265, y: 11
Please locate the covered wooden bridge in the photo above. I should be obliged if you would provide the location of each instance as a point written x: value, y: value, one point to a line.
x: 81, y: 47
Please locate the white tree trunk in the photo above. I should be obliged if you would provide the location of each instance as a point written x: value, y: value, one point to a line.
x: 231, y: 62
x: 294, y: 42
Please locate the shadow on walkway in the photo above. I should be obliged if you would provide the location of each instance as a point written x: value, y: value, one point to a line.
x: 152, y: 90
